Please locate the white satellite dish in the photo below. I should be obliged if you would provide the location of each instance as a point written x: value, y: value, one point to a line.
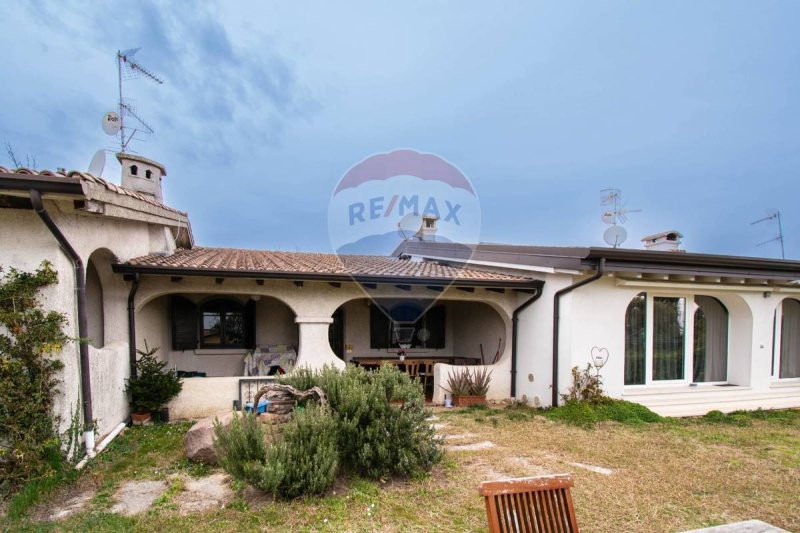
x: 98, y: 163
x: 615, y: 236
x: 409, y: 225
x: 609, y: 217
x: 111, y: 123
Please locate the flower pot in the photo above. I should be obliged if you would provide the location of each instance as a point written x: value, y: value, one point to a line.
x: 466, y: 401
x: 139, y: 419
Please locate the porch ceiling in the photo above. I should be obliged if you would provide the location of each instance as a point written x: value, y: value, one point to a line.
x: 302, y: 266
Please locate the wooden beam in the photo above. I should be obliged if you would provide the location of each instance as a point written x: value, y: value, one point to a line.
x: 437, y: 288
x: 175, y: 279
x: 526, y: 291
x: 128, y: 277
x: 298, y: 283
x: 404, y: 287
x: 466, y: 289
x: 259, y: 282
x: 372, y: 286
x: 492, y: 289
x: 220, y: 281
x: 335, y: 284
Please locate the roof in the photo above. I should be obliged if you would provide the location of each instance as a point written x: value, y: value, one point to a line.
x: 65, y: 182
x: 231, y: 262
x: 617, y: 259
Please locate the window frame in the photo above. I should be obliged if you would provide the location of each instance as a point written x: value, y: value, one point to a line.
x: 228, y: 306
x: 777, y: 343
x: 688, y: 340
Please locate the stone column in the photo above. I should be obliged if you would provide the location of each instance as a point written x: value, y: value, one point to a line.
x: 315, y: 350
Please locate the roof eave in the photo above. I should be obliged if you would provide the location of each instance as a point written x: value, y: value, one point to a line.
x: 316, y: 276
x: 45, y: 184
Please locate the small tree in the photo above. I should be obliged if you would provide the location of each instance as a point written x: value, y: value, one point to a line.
x: 30, y: 338
x: 154, y: 385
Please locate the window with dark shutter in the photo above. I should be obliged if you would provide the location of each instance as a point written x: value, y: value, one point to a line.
x: 223, y: 324
x: 429, y: 329
x: 379, y: 325
x: 184, y: 323
x: 434, y: 323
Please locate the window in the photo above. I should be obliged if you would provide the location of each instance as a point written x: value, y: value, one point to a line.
x: 660, y: 338
x: 217, y: 323
x: 789, y: 361
x: 428, y: 329
x: 635, y: 340
x: 148, y: 174
x: 134, y: 170
x: 710, y: 340
x: 222, y: 324
x: 669, y: 348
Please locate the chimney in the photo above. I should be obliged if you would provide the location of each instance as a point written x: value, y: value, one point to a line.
x: 427, y: 231
x: 141, y: 174
x: 665, y: 241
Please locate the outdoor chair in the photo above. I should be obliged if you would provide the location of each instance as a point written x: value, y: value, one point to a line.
x: 425, y: 373
x: 530, y: 505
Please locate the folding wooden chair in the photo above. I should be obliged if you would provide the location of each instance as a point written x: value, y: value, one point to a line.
x: 530, y: 505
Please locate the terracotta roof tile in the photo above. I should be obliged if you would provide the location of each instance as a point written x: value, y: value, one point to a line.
x: 274, y: 262
x: 86, y: 177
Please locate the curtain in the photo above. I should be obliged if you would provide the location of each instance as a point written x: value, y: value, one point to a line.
x: 669, y: 319
x: 635, y: 340
x: 790, y: 339
x: 710, y: 340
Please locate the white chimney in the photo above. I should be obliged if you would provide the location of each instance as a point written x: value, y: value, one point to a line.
x: 427, y: 231
x: 665, y: 241
x: 141, y: 174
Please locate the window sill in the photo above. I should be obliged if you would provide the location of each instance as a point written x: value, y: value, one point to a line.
x: 221, y: 351
x: 680, y: 388
x: 785, y: 383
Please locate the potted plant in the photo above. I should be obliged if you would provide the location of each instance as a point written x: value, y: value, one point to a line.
x: 152, y: 387
x: 469, y: 388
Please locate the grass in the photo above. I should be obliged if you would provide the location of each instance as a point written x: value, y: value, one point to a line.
x: 669, y: 475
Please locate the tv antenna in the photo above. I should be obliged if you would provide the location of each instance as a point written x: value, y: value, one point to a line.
x: 130, y: 69
x: 615, y: 216
x: 773, y: 214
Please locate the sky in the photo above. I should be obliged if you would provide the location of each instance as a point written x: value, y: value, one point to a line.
x: 690, y: 108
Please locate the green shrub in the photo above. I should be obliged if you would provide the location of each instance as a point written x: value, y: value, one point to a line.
x: 465, y: 383
x: 587, y: 386
x: 30, y: 340
x: 154, y: 385
x: 587, y: 414
x: 376, y: 438
x: 302, y: 461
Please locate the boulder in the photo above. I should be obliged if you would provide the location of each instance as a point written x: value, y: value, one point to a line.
x: 199, y: 440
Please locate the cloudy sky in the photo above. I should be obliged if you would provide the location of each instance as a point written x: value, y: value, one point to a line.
x: 691, y: 108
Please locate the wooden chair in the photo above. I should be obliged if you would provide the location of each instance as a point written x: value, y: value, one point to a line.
x: 425, y: 372
x: 412, y: 367
x: 530, y: 505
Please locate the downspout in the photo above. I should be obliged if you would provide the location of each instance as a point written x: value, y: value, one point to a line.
x: 132, y: 324
x: 80, y: 289
x: 514, y: 329
x: 557, y: 314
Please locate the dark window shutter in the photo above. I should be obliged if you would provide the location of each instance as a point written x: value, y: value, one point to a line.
x: 250, y: 324
x: 378, y: 328
x: 434, y: 320
x: 184, y: 323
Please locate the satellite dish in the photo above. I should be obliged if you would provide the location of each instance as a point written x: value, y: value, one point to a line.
x: 409, y: 225
x: 98, y: 163
x: 111, y: 123
x: 615, y: 236
x: 609, y: 217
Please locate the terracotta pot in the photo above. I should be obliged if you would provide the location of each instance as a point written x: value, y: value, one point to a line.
x: 139, y: 419
x: 466, y: 401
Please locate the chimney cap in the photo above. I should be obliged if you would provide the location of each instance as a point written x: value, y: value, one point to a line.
x: 669, y: 235
x: 134, y: 157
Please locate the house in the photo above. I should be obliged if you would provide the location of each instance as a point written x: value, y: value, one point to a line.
x: 683, y: 333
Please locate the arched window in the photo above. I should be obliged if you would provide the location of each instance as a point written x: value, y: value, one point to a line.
x: 635, y: 337
x: 222, y: 324
x: 710, y: 340
x: 148, y: 174
x: 790, y: 339
x: 134, y: 170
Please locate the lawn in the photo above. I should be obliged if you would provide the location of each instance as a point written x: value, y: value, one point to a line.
x: 672, y: 475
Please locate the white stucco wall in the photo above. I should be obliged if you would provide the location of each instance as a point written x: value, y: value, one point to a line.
x: 25, y: 242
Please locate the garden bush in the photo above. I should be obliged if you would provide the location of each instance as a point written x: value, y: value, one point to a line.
x: 30, y: 341
x: 380, y: 419
x: 587, y: 414
x: 303, y: 461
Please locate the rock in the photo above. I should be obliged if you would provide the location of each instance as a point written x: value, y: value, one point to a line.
x: 199, y: 440
x: 204, y: 494
x: 135, y: 497
x: 274, y: 418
